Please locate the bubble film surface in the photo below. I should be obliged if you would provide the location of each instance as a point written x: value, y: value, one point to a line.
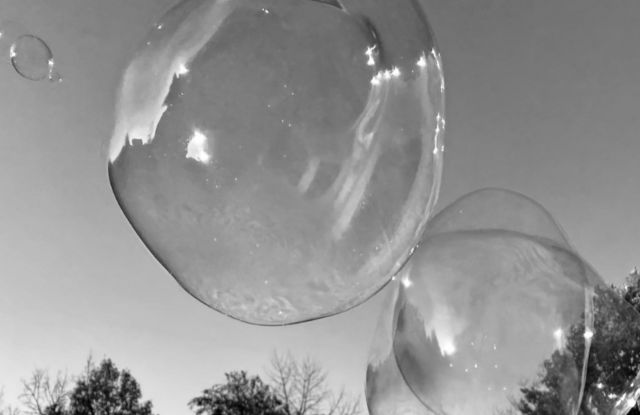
x: 496, y: 314
x: 281, y: 158
x: 32, y: 59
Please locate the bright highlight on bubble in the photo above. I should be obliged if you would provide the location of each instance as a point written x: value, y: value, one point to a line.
x: 495, y: 313
x: 197, y: 149
x: 281, y: 157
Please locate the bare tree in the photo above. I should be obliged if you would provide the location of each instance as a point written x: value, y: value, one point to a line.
x: 7, y: 410
x: 42, y: 395
x: 302, y: 386
x: 10, y: 410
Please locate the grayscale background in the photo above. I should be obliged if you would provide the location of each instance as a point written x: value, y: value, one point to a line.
x: 543, y: 97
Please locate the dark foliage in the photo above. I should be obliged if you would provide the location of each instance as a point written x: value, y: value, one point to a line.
x: 239, y: 395
x: 613, y: 363
x: 105, y: 390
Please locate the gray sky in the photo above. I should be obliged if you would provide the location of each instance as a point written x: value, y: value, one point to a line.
x: 542, y: 98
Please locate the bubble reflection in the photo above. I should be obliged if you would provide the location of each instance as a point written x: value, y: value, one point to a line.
x: 495, y: 313
x: 280, y: 141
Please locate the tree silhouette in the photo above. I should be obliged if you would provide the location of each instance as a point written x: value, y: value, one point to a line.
x: 6, y: 410
x: 240, y: 395
x: 105, y: 390
x: 302, y: 387
x: 632, y: 289
x: 613, y: 360
x: 42, y: 395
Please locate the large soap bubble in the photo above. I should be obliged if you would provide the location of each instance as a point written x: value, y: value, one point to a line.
x: 496, y: 314
x: 281, y: 157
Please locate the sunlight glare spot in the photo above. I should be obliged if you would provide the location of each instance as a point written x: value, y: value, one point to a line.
x: 182, y: 70
x: 197, y: 148
x: 369, y: 53
x: 447, y: 348
x: 406, y: 282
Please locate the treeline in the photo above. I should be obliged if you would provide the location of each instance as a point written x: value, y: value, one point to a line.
x: 102, y: 389
x: 300, y: 387
x: 612, y: 369
x: 295, y: 387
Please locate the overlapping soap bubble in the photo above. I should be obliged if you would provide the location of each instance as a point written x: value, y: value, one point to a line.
x: 496, y: 313
x: 281, y: 157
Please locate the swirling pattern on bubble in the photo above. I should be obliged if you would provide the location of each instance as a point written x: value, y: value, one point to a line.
x: 281, y: 157
x: 496, y: 314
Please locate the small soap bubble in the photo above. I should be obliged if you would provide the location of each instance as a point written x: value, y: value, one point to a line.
x: 32, y: 59
x: 495, y: 313
x: 298, y: 133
